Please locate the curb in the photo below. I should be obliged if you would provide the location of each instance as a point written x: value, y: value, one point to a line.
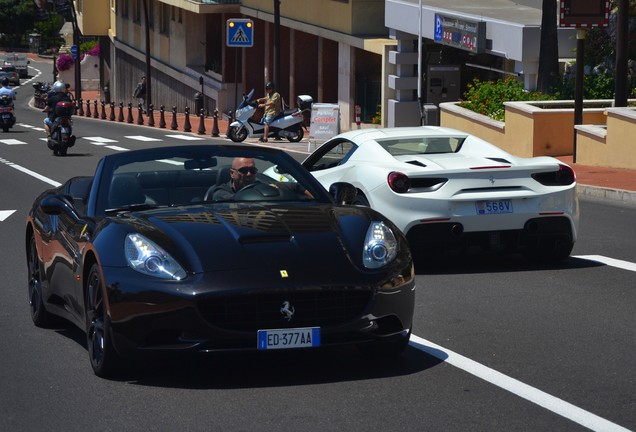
x: 620, y: 195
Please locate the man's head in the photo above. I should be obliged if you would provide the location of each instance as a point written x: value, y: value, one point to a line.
x: 269, y: 87
x: 59, y: 87
x: 243, y: 172
x: 5, y: 81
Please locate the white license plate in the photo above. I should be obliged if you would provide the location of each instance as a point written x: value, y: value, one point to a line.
x: 493, y: 207
x: 289, y: 338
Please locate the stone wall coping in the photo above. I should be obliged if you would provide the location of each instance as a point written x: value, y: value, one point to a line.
x: 454, y: 108
x: 599, y: 131
x: 564, y: 106
x: 626, y: 112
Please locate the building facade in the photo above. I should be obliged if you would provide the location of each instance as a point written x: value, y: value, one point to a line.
x: 350, y: 52
x: 330, y: 49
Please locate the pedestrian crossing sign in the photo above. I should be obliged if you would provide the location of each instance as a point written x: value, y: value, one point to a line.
x: 240, y: 32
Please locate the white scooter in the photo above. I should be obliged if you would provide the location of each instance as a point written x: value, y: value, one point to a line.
x: 289, y: 124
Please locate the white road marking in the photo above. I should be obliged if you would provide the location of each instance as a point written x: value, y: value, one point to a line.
x: 12, y: 142
x: 99, y: 139
x: 4, y: 214
x: 28, y: 126
x: 31, y: 173
x: 142, y: 138
x: 534, y: 395
x: 625, y: 265
x: 171, y: 162
x: 185, y: 137
x: 117, y: 148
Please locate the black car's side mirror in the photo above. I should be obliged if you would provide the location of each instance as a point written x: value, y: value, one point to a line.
x: 343, y: 193
x: 59, y: 204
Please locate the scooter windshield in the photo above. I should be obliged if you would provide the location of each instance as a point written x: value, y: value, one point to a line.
x: 246, y: 99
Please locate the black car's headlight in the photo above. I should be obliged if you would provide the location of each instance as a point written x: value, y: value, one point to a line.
x: 148, y: 258
x: 380, y: 246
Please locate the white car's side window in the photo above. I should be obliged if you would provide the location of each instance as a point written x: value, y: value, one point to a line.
x: 337, y: 153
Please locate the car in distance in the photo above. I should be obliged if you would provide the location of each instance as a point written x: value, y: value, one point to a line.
x: 11, y: 73
x: 448, y: 190
x: 145, y: 259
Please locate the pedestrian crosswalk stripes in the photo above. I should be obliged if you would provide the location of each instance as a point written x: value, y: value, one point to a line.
x: 104, y: 141
x: 11, y: 141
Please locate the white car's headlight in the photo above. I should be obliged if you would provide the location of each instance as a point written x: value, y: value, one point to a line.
x: 148, y: 258
x: 380, y: 246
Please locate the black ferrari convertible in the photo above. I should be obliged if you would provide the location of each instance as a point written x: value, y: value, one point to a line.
x: 210, y: 248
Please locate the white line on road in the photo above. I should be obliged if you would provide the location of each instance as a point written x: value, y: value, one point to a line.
x: 534, y: 395
x: 4, y: 214
x: 625, y: 265
x: 31, y: 173
x: 117, y: 148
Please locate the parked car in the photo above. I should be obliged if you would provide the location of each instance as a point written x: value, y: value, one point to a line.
x: 448, y: 190
x: 145, y: 258
x: 11, y: 73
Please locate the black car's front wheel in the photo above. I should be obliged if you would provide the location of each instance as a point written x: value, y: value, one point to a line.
x: 104, y: 359
x: 40, y: 316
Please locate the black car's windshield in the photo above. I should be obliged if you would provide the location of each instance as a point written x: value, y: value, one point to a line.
x: 160, y: 177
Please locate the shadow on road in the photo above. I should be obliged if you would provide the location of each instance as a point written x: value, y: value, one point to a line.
x: 252, y: 369
x: 477, y: 263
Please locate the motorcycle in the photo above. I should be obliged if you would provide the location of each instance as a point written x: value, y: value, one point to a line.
x: 62, y: 137
x: 41, y: 90
x: 7, y: 119
x: 289, y: 124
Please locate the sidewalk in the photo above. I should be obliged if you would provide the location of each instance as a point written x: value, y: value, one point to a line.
x: 599, y: 182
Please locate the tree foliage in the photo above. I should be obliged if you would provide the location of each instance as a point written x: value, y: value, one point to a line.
x: 488, y: 97
x: 16, y: 16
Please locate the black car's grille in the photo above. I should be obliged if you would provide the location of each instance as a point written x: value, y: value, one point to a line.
x: 254, y: 311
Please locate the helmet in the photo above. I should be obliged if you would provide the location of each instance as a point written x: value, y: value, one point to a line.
x: 270, y: 85
x: 5, y: 81
x: 59, y: 87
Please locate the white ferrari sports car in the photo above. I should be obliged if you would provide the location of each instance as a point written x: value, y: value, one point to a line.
x: 448, y: 190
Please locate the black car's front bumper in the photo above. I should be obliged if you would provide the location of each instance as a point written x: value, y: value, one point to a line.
x: 224, y: 311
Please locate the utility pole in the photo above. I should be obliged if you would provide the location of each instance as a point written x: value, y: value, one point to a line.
x: 76, y: 42
x: 148, y: 80
x: 277, y: 42
x: 622, y: 35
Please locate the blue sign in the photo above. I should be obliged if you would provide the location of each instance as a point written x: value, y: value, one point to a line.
x: 74, y: 51
x: 240, y: 32
x: 439, y: 23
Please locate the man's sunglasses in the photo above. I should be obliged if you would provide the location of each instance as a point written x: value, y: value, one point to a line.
x: 245, y: 170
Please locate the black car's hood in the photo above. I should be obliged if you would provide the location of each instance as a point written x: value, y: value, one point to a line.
x: 248, y: 237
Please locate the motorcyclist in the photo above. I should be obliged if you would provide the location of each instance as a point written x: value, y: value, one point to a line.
x: 59, y: 94
x: 5, y: 90
x: 272, y: 104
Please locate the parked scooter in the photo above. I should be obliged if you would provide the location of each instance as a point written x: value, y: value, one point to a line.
x: 7, y: 118
x: 62, y: 137
x: 40, y: 91
x: 289, y: 124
